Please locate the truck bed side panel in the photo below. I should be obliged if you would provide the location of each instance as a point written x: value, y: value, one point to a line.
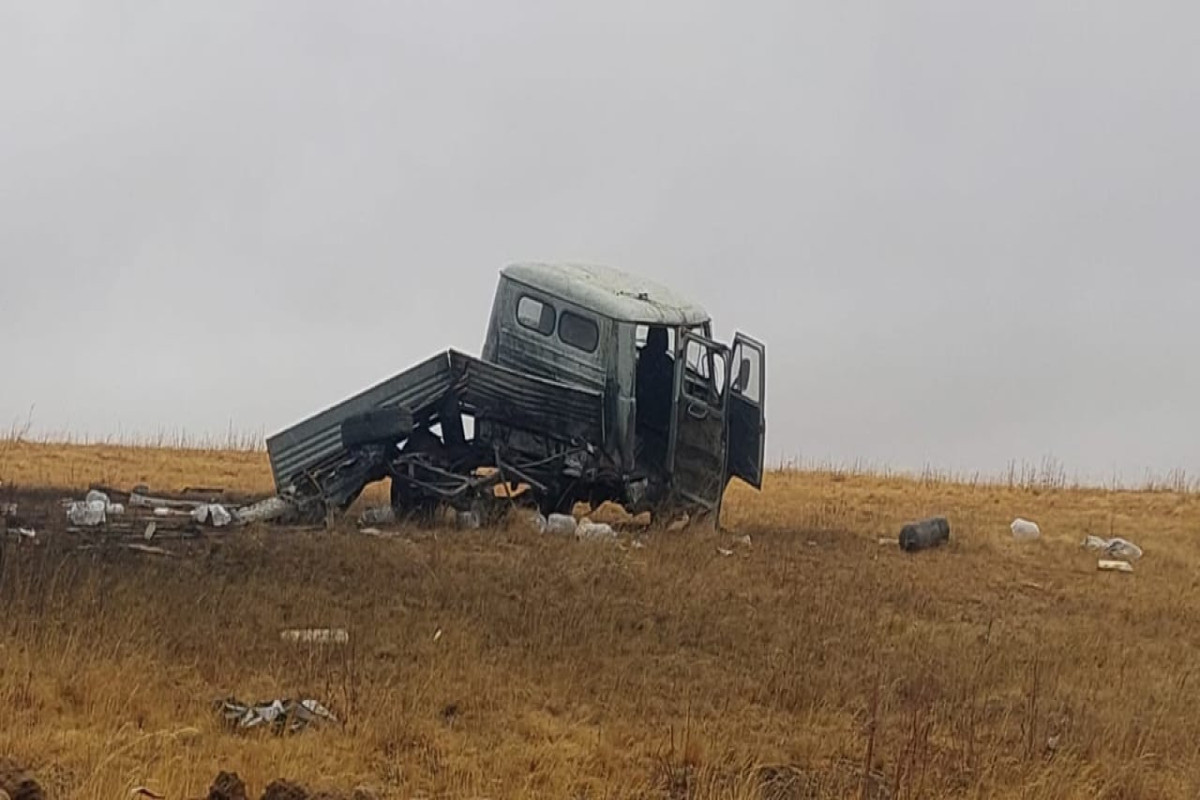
x: 487, y: 390
x: 319, y: 438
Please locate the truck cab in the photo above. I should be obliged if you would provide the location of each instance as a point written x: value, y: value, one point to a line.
x: 682, y: 413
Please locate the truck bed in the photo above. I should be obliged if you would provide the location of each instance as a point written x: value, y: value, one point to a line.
x: 484, y: 390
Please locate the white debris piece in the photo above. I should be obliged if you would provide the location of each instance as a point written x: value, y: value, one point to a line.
x: 26, y: 533
x: 87, y: 514
x: 316, y: 636
x: 1114, y: 548
x: 1024, y: 530
x: 468, y: 520
x: 594, y: 530
x: 212, y: 514
x: 264, y: 510
x: 93, y: 510
x: 380, y: 515
x: 561, y: 524
x: 1114, y: 566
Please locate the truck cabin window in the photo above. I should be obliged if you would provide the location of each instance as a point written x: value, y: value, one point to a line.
x: 704, y: 373
x: 578, y: 331
x: 535, y: 315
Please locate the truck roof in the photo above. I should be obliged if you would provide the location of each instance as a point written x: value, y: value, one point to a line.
x: 611, y: 292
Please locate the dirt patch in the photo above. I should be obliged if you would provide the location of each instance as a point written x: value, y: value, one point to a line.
x: 17, y: 784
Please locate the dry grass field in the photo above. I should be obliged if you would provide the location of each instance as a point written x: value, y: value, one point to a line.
x: 813, y: 663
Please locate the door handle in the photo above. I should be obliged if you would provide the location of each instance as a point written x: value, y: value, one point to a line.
x: 696, y: 411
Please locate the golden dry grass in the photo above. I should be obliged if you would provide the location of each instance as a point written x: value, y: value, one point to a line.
x: 569, y: 669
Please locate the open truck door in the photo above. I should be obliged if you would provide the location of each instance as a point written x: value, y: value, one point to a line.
x: 747, y: 410
x: 696, y: 453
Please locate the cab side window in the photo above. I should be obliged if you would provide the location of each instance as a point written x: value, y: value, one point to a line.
x: 535, y: 315
x: 578, y: 331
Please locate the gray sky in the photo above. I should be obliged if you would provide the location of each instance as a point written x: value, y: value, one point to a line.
x: 966, y: 231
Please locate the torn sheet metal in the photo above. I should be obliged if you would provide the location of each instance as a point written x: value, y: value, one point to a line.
x: 278, y: 716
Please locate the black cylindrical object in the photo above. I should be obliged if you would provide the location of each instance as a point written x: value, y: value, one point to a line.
x: 926, y: 533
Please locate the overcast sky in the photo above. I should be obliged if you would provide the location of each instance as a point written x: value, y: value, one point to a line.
x: 967, y: 232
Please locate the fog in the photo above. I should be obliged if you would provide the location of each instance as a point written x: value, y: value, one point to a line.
x: 966, y: 232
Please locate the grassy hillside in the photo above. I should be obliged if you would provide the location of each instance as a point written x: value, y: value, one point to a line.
x: 815, y: 662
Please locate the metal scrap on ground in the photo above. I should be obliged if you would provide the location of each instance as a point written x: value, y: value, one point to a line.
x: 278, y: 716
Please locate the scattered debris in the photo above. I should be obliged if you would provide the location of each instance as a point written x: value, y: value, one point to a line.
x: 927, y: 533
x: 1114, y: 548
x: 1033, y: 585
x: 151, y: 527
x: 272, y: 508
x: 437, y: 635
x: 1024, y: 530
x: 316, y: 636
x: 558, y: 524
x: 88, y: 513
x: 25, y: 533
x: 280, y: 716
x: 8, y: 509
x: 139, y: 499
x: 381, y: 515
x: 725, y: 552
x: 147, y: 549
x: 744, y: 541
x: 594, y: 530
x: 887, y: 541
x: 1114, y: 566
x: 142, y: 791
x: 212, y: 514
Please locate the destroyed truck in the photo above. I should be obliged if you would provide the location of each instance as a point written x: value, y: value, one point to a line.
x: 593, y: 385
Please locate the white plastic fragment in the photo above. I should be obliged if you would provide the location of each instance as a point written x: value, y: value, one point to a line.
x: 561, y: 525
x: 87, y: 514
x: 1114, y: 566
x: 26, y: 533
x: 1024, y: 530
x: 594, y: 530
x: 1114, y: 548
x: 264, y: 510
x: 212, y: 514
x: 93, y: 510
x: 316, y: 635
